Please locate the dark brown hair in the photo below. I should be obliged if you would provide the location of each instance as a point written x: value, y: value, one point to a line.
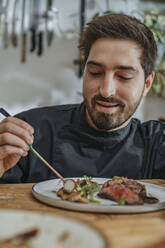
x: 121, y: 26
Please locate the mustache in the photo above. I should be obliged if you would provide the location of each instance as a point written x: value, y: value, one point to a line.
x: 110, y: 99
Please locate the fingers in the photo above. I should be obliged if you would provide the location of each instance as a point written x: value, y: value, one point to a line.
x: 9, y: 156
x: 16, y: 127
x: 7, y: 128
x: 15, y: 137
x: 9, y: 150
x: 13, y: 140
x: 19, y: 123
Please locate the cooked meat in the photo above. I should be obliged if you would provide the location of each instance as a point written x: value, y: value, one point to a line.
x: 84, y: 182
x: 131, y: 191
x: 64, y: 237
x: 63, y: 194
x: 19, y: 240
x: 117, y: 192
x: 119, y: 189
x: 10, y: 244
x: 150, y: 199
x: 76, y: 196
x: 130, y: 183
x: 82, y: 190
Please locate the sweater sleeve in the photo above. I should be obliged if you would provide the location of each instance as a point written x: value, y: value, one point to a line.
x: 15, y: 174
x: 159, y: 168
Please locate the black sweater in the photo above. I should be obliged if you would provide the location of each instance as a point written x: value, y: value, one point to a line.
x: 64, y: 138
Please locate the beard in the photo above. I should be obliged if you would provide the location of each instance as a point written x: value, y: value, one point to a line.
x: 110, y: 121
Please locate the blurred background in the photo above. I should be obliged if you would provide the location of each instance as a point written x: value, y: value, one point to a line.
x: 40, y: 63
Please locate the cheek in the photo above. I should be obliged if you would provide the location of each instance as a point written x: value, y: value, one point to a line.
x: 138, y: 90
x: 132, y: 92
x: 90, y: 87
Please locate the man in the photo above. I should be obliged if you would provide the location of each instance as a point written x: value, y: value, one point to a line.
x: 99, y: 137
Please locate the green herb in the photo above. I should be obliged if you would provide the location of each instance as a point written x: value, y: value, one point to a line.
x: 121, y: 202
x: 78, y: 187
x: 115, y: 177
x: 118, y: 183
x: 86, y: 178
x: 89, y: 190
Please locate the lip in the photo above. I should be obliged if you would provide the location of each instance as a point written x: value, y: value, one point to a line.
x: 106, y: 107
x: 107, y: 104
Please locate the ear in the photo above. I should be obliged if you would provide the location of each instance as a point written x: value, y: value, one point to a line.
x: 148, y: 83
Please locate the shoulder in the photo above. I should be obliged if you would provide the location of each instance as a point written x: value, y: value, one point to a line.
x: 150, y: 128
x: 48, y: 110
x: 52, y: 113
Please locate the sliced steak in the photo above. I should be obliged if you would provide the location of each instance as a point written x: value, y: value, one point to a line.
x: 118, y: 192
x: 131, y: 191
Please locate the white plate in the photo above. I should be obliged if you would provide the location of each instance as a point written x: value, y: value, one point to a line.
x: 51, y: 229
x: 45, y: 192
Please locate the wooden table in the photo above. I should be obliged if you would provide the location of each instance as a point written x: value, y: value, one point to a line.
x: 146, y: 230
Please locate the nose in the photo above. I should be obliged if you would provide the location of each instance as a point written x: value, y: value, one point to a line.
x: 108, y: 86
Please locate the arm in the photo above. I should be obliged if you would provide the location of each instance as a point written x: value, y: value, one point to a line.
x: 159, y: 167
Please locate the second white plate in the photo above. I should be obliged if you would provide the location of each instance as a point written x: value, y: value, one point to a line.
x: 53, y: 231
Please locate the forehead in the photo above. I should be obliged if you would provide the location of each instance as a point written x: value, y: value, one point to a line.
x: 109, y: 51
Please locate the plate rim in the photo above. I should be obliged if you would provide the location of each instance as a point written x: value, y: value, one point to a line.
x: 96, y: 207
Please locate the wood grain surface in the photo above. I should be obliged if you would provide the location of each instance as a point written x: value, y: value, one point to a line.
x: 144, y: 230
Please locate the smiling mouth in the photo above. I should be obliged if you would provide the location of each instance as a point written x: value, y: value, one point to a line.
x: 107, y: 104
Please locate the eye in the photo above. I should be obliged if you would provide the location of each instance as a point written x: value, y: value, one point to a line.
x: 95, y: 73
x: 125, y: 78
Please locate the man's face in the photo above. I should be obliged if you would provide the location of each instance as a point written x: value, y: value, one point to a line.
x: 113, y: 83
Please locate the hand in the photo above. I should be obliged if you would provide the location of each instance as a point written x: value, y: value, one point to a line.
x: 15, y: 137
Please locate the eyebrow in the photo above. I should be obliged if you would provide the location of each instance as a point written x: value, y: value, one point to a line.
x: 130, y: 68
x: 91, y: 62
x: 121, y: 67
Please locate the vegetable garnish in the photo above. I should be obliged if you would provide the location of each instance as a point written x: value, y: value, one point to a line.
x: 122, y: 190
x: 115, y: 177
x: 69, y: 185
x: 90, y: 190
x: 121, y: 202
x: 81, y: 190
x: 87, y: 178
